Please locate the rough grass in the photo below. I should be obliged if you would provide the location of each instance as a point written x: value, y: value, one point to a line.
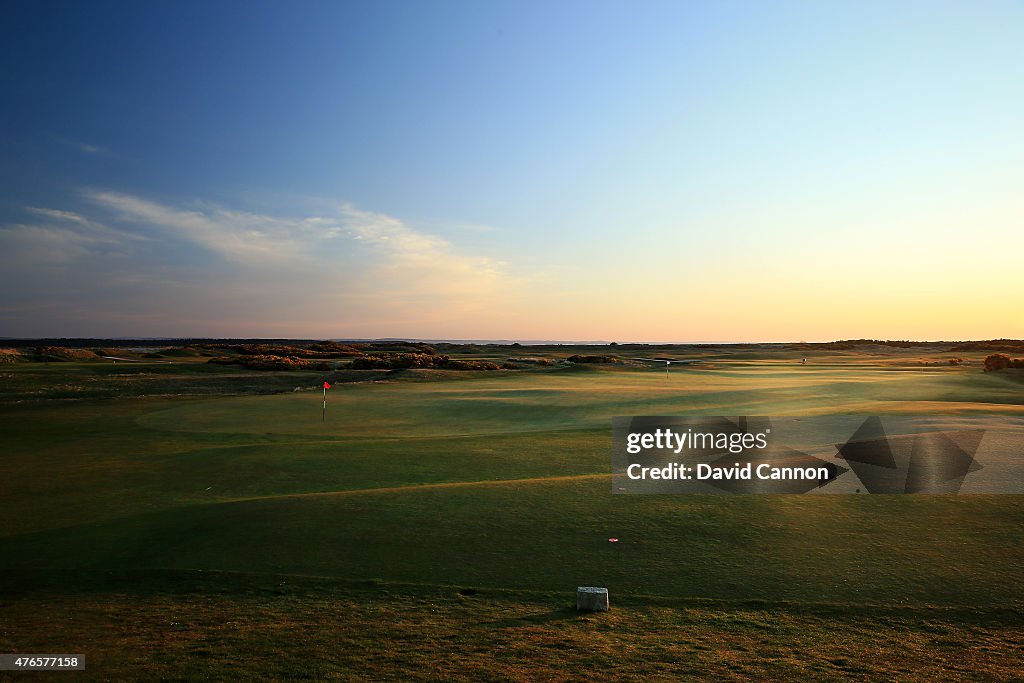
x: 230, y: 627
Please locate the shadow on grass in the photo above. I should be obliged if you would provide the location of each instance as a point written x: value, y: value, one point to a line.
x: 559, y: 614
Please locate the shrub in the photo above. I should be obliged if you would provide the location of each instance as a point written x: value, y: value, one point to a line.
x: 188, y: 352
x: 395, y: 361
x: 592, y: 359
x: 400, y: 361
x: 317, y: 350
x: 335, y: 349
x: 1005, y: 345
x: 1000, y: 361
x: 451, y: 364
x: 851, y: 344
x: 267, y: 362
x: 61, y: 354
x: 398, y: 347
x: 9, y: 356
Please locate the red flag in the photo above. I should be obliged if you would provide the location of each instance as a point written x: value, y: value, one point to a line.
x: 326, y: 385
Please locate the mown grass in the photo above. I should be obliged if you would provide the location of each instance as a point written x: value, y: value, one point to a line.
x: 552, y: 535
x: 181, y: 537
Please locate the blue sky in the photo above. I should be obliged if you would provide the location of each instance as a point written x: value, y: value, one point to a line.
x: 591, y: 170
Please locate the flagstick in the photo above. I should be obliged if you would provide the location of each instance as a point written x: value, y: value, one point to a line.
x: 323, y: 415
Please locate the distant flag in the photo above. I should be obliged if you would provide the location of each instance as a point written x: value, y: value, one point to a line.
x: 324, y: 414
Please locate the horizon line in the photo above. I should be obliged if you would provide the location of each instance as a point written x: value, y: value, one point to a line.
x: 503, y: 342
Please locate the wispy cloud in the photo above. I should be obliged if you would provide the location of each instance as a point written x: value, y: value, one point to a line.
x: 87, y: 148
x: 341, y: 271
x: 92, y: 149
x: 232, y: 234
x: 55, y: 237
x: 84, y: 147
x: 82, y: 226
x: 395, y: 254
x: 431, y: 259
x: 23, y: 245
x: 56, y: 214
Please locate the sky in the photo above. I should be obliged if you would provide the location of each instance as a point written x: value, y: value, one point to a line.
x: 618, y: 171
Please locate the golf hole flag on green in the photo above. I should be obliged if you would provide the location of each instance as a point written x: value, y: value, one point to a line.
x: 323, y: 414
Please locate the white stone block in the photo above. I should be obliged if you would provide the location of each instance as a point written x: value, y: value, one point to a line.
x: 592, y: 599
